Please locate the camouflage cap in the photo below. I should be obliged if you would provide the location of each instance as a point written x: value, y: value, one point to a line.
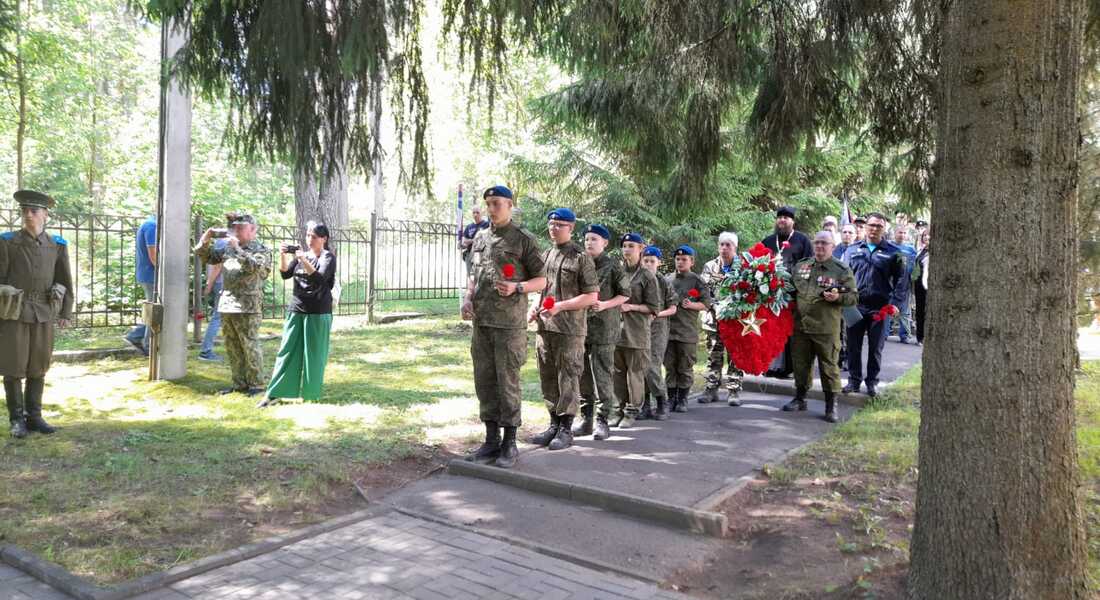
x: 33, y: 198
x: 241, y: 219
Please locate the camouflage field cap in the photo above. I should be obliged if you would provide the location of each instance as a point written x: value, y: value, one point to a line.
x: 241, y: 219
x: 33, y: 198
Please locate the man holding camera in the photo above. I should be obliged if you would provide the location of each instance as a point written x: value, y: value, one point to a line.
x: 36, y: 290
x: 246, y: 263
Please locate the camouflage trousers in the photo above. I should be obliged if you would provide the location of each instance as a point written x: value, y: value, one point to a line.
x: 596, y: 383
x: 716, y: 359
x: 658, y: 342
x: 498, y: 355
x: 680, y: 360
x: 631, y: 365
x: 560, y: 359
x: 241, y: 332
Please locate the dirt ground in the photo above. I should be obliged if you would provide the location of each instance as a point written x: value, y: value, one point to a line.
x: 816, y: 539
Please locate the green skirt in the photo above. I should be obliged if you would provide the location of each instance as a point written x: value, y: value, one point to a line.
x: 300, y: 364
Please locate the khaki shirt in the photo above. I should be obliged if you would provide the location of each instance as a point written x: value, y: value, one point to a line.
x: 34, y: 264
x: 814, y: 314
x: 645, y: 290
x: 605, y: 326
x: 494, y: 247
x: 668, y: 298
x: 569, y: 273
x: 244, y: 271
x: 714, y: 272
x: 684, y: 325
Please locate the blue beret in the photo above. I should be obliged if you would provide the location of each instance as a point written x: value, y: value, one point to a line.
x: 631, y: 237
x: 652, y: 251
x: 498, y: 190
x: 684, y: 250
x: 599, y: 230
x: 561, y: 214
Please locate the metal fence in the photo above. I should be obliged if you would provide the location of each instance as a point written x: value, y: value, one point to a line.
x: 391, y: 261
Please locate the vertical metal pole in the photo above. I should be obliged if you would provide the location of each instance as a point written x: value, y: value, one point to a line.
x: 370, y: 273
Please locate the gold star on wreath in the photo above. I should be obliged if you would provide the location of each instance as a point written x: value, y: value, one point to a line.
x: 751, y: 324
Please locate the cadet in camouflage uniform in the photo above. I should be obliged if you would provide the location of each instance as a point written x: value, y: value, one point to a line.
x: 683, y: 334
x: 604, y: 328
x: 823, y: 287
x: 658, y: 340
x: 714, y: 272
x: 246, y: 263
x: 571, y: 287
x: 507, y: 265
x: 632, y: 350
x: 37, y: 264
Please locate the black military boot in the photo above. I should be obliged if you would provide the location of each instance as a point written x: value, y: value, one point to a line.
x: 681, y: 400
x: 662, y: 409
x: 851, y: 388
x: 544, y: 438
x: 830, y: 407
x: 602, y: 431
x: 508, y: 450
x: 33, y: 398
x: 564, y: 438
x: 584, y: 426
x: 734, y: 397
x: 709, y: 395
x: 13, y: 394
x: 490, y: 449
x: 645, y: 413
x: 673, y: 395
x: 871, y: 388
x: 796, y: 403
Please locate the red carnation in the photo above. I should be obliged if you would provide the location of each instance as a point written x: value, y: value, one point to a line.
x: 773, y: 284
x: 771, y: 267
x: 508, y: 270
x: 759, y: 250
x: 744, y: 263
x: 744, y: 285
x: 751, y: 299
x: 762, y: 267
x: 548, y: 303
x: 785, y: 245
x: 693, y: 293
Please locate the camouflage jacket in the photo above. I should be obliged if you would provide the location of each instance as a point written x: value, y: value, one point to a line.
x: 244, y: 271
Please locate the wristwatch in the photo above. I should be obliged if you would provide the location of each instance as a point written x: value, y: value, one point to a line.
x: 519, y: 288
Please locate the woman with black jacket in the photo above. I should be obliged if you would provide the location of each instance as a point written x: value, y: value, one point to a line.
x: 300, y: 364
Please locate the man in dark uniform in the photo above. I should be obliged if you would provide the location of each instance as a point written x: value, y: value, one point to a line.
x: 468, y: 234
x: 604, y: 327
x: 879, y: 268
x: 658, y: 340
x: 571, y: 287
x: 823, y: 286
x: 507, y: 265
x: 632, y: 350
x: 35, y: 266
x: 683, y: 337
x: 794, y: 246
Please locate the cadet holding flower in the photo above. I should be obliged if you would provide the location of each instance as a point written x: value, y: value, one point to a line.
x: 683, y: 337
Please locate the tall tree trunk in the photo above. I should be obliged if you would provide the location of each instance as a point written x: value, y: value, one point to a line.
x: 21, y: 85
x: 998, y: 511
x: 326, y: 201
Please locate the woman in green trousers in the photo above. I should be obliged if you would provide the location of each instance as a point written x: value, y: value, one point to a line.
x: 300, y: 364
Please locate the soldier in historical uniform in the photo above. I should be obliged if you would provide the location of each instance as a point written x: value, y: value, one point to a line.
x: 507, y: 265
x: 571, y: 287
x: 36, y: 291
x: 823, y: 286
x: 246, y: 263
x: 604, y: 327
x: 658, y: 340
x: 683, y: 335
x: 632, y: 350
x: 714, y: 273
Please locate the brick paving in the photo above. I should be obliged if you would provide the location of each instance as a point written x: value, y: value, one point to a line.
x: 384, y: 557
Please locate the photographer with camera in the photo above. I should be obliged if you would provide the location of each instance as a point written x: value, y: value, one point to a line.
x: 246, y: 263
x: 300, y: 364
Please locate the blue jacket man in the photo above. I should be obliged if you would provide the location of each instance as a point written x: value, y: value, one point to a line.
x: 880, y: 269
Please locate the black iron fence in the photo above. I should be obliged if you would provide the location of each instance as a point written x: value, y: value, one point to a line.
x: 393, y: 260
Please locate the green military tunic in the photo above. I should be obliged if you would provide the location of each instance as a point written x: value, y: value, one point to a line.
x: 632, y: 349
x: 604, y: 328
x: 683, y: 336
x: 654, y: 383
x: 39, y: 266
x: 244, y: 271
x: 817, y: 321
x: 560, y: 347
x: 714, y: 273
x: 499, y: 342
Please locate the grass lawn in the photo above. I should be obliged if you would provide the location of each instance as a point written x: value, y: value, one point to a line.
x: 145, y: 475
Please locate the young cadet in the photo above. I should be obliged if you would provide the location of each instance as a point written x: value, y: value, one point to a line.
x: 632, y: 350
x: 658, y: 339
x: 683, y: 336
x: 571, y: 287
x: 605, y: 324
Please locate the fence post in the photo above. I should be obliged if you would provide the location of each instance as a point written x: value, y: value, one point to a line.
x: 196, y: 293
x: 370, y: 273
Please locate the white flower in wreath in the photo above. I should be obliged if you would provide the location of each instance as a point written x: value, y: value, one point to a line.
x: 759, y: 275
x: 763, y: 288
